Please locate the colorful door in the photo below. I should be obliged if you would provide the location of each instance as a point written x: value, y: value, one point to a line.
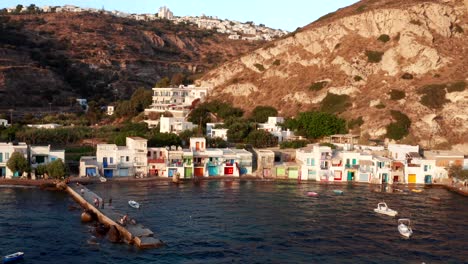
x: 2, y: 171
x: 108, y: 173
x: 171, y: 172
x: 228, y: 171
x: 412, y: 178
x: 123, y: 172
x: 266, y: 172
x: 293, y: 173
x: 364, y: 177
x: 199, y: 172
x: 91, y: 172
x: 280, y: 172
x: 311, y: 175
x: 337, y: 176
x: 428, y: 179
x: 212, y: 171
x: 350, y: 175
x: 188, y: 172
x: 384, y: 178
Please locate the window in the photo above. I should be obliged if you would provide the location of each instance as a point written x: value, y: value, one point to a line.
x: 354, y: 161
x: 7, y: 155
x: 312, y: 162
x: 53, y: 158
x: 1, y: 157
x: 111, y: 160
x: 347, y: 161
x: 127, y: 159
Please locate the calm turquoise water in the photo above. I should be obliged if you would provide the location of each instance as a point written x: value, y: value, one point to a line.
x: 241, y: 222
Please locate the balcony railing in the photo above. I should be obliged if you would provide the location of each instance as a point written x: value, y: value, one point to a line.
x: 351, y: 166
x: 157, y: 160
x: 199, y: 164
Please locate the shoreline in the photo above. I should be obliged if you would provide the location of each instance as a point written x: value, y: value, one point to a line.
x: 86, y: 180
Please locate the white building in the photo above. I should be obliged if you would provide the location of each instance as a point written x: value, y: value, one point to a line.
x: 41, y: 155
x: 110, y: 110
x: 4, y: 122
x: 174, y: 125
x: 130, y: 160
x: 6, y: 150
x: 89, y: 167
x: 398, y: 152
x: 45, y: 126
x: 273, y: 127
x: 315, y: 163
x: 165, y: 13
x: 178, y: 101
x: 213, y: 132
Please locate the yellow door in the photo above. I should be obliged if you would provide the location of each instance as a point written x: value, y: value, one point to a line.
x: 412, y: 178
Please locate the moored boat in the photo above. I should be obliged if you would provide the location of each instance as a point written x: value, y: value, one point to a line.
x: 404, y: 227
x: 382, y: 208
x: 416, y: 190
x: 338, y: 192
x: 102, y: 179
x: 312, y: 194
x: 134, y: 204
x: 13, y: 257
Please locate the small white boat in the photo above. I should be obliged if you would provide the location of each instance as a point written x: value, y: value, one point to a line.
x: 102, y: 179
x: 404, y: 227
x: 382, y: 208
x: 13, y: 257
x: 134, y: 204
x: 339, y: 192
x: 312, y: 194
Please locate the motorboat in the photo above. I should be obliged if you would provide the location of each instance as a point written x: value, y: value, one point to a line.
x: 13, y: 257
x: 312, y: 194
x: 404, y: 227
x: 340, y: 192
x: 382, y: 208
x: 416, y: 190
x: 102, y: 179
x: 435, y: 198
x: 134, y: 204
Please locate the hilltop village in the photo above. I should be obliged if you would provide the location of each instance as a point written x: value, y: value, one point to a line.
x: 336, y: 158
x: 235, y: 29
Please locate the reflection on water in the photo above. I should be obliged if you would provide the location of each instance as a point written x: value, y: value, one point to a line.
x: 242, y: 222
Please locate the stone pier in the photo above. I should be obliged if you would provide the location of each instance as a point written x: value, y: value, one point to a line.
x: 132, y: 232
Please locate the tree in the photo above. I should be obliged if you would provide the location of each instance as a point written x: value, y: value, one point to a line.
x: 317, y: 124
x: 56, y: 169
x: 18, y: 163
x: 164, y: 82
x: 41, y: 170
x: 261, y: 113
x: 32, y: 9
x: 457, y: 171
x: 238, y: 131
x: 261, y: 139
x: 178, y: 79
x: 164, y: 139
x: 141, y: 99
x: 18, y: 9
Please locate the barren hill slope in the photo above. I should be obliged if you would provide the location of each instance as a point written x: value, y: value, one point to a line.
x: 365, y: 60
x: 48, y: 58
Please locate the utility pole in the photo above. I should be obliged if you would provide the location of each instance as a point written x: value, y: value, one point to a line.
x: 50, y: 107
x: 11, y: 117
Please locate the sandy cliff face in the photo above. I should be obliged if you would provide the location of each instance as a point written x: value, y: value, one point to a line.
x: 424, y: 40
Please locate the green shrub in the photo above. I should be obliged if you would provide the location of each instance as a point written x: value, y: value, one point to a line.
x: 407, y: 76
x: 259, y: 66
x: 317, y: 86
x: 355, y: 122
x: 277, y: 63
x: 374, y: 56
x: 457, y: 87
x: 384, y: 38
x: 357, y: 78
x: 400, y: 127
x: 380, y: 106
x: 334, y: 103
x: 293, y: 144
x: 458, y: 28
x: 416, y: 22
x: 361, y: 8
x: 397, y: 94
x: 433, y: 95
x: 316, y: 124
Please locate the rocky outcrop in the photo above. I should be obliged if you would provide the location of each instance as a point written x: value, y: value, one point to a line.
x: 365, y: 50
x: 56, y: 56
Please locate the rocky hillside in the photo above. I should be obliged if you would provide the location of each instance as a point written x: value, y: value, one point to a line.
x: 365, y: 60
x: 55, y: 57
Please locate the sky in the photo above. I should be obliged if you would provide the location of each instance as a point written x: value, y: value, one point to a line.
x: 287, y: 15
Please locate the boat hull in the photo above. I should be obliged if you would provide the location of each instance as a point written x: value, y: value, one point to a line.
x: 13, y: 257
x: 386, y: 212
x: 312, y: 194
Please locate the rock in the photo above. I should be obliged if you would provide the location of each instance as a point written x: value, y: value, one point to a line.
x: 101, y: 229
x: 114, y: 235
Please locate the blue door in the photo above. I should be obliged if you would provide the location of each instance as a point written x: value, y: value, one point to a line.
x: 2, y: 171
x: 212, y: 171
x: 108, y: 173
x: 428, y: 179
x: 91, y: 172
x: 104, y: 162
x: 172, y: 172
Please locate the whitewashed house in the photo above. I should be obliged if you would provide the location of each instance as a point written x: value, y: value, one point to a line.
x: 41, y: 155
x: 316, y: 163
x: 129, y: 160
x: 4, y: 122
x: 6, y: 150
x: 88, y: 167
x: 273, y: 127
x: 174, y: 125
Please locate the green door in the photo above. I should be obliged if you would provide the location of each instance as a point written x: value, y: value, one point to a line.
x: 188, y: 172
x: 293, y: 173
x: 384, y: 178
x: 350, y: 175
